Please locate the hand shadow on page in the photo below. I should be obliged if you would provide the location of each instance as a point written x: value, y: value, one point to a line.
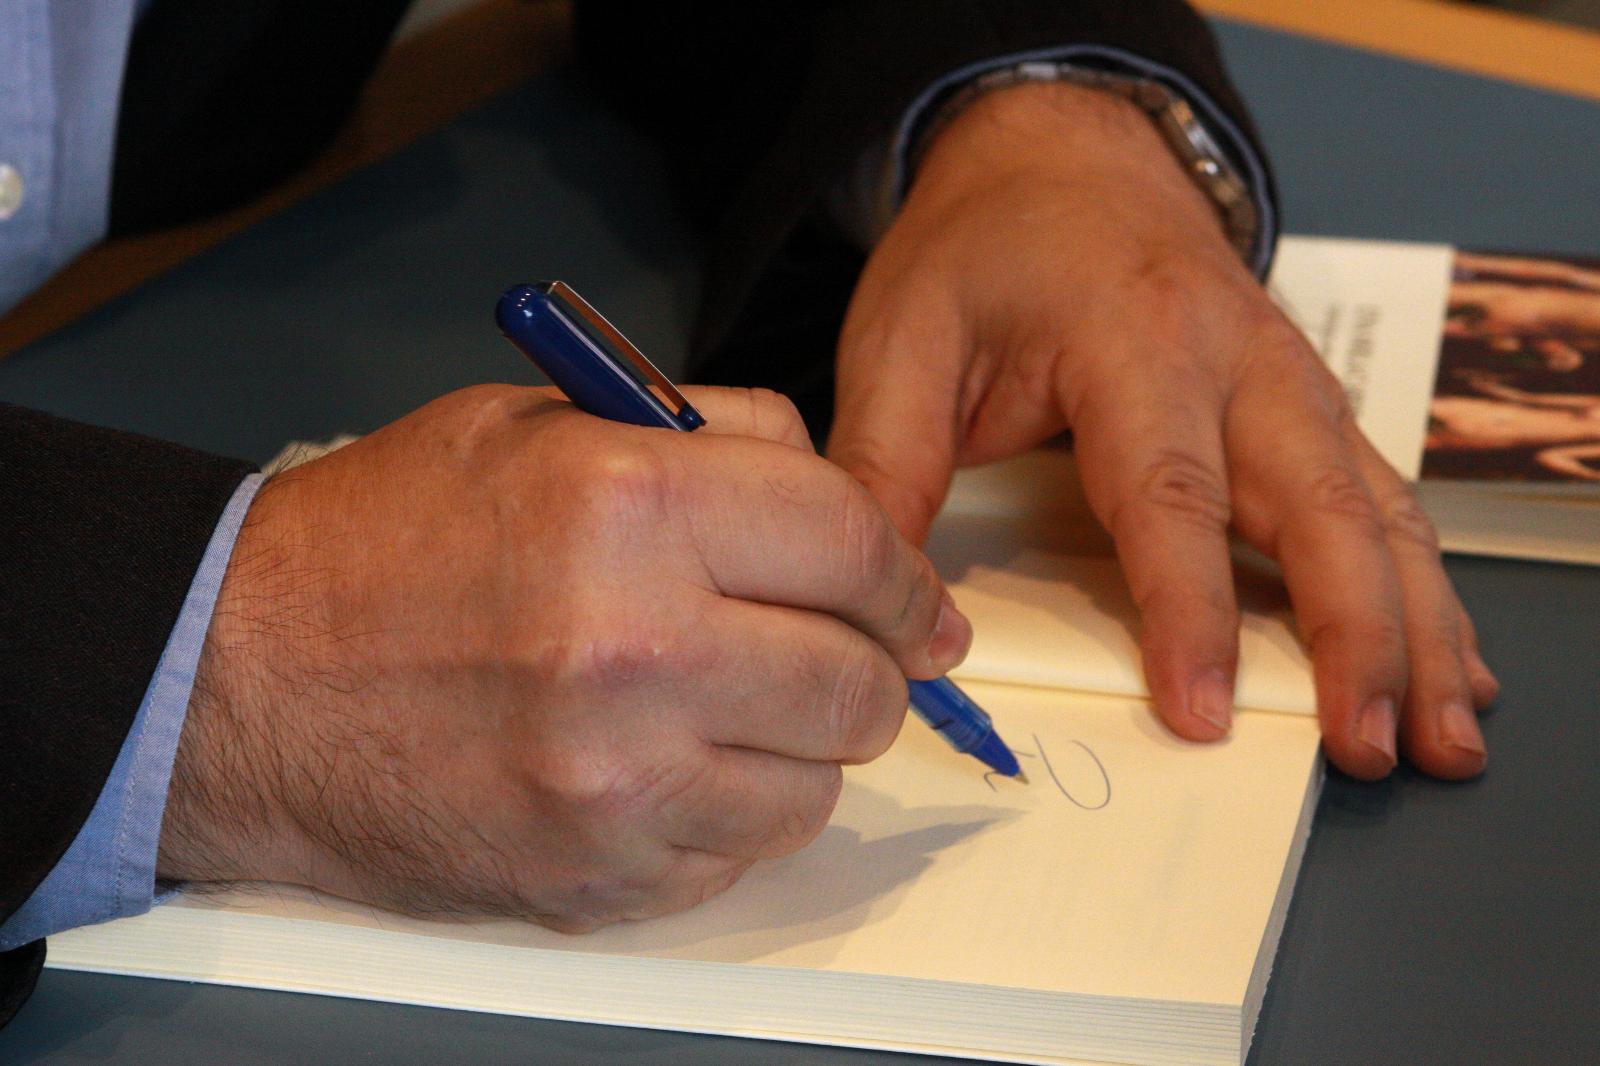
x: 801, y: 905
x: 1023, y: 570
x: 963, y: 546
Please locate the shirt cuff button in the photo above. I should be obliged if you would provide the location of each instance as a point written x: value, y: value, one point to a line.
x: 10, y: 191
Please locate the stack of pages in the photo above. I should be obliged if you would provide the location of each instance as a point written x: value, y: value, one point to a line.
x: 1124, y: 907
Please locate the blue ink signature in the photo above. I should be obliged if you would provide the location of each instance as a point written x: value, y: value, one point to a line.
x: 1043, y: 755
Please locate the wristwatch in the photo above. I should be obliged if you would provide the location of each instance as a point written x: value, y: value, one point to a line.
x: 1202, y: 158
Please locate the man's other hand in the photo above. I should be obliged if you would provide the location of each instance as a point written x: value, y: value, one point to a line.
x: 1054, y: 268
x: 504, y: 657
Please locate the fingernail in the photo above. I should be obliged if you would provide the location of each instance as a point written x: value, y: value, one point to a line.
x: 1211, y: 699
x: 1458, y: 728
x: 1376, y: 727
x: 952, y: 636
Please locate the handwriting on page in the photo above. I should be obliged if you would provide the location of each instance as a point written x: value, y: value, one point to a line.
x: 1089, y: 792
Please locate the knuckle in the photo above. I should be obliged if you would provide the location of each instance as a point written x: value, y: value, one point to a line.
x: 1338, y: 493
x: 1405, y: 521
x: 860, y: 706
x: 1166, y: 285
x: 469, y: 419
x: 775, y: 416
x: 620, y: 484
x: 1269, y: 330
x: 801, y: 823
x: 1280, y: 348
x: 686, y: 885
x: 1176, y: 486
x: 592, y: 653
x: 659, y: 783
x: 1184, y: 300
x: 568, y: 779
x: 844, y: 716
x: 486, y: 402
x: 598, y: 792
x: 1035, y: 365
x: 867, y: 541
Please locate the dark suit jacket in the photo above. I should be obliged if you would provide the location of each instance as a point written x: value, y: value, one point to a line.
x: 760, y: 108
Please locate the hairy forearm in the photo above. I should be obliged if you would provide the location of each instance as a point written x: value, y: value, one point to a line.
x: 224, y: 816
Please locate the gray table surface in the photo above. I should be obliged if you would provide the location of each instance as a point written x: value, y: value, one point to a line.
x: 1433, y: 922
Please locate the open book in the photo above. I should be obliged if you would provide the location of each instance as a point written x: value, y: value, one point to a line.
x: 1124, y: 907
x: 1477, y: 376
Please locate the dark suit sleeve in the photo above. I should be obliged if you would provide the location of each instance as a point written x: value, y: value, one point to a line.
x: 100, y: 535
x: 220, y: 101
x: 762, y: 107
x: 101, y: 532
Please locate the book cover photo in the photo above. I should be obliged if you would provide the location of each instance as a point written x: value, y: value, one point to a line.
x: 1476, y: 375
x: 1517, y: 393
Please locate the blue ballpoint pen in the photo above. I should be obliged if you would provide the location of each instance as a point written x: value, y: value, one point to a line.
x: 602, y: 373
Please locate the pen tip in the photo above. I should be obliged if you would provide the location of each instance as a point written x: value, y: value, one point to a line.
x: 1022, y: 777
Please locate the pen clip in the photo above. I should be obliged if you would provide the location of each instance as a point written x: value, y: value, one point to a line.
x: 628, y: 359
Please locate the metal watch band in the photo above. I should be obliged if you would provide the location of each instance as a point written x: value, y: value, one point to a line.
x: 1202, y: 158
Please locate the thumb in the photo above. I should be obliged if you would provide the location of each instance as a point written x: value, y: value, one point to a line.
x: 895, y: 432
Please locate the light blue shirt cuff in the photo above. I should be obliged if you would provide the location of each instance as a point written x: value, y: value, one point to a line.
x: 865, y: 204
x: 109, y: 870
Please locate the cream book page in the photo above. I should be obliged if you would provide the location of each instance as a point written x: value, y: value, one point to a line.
x: 1039, y: 579
x: 1136, y: 866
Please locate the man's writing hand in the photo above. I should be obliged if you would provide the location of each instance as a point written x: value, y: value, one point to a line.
x: 504, y: 657
x: 1053, y: 267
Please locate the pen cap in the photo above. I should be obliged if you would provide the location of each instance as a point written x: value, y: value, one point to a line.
x: 589, y: 359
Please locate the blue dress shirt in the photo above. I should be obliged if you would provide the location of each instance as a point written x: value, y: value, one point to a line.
x: 60, y: 75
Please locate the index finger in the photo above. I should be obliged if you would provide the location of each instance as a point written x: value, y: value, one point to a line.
x: 750, y: 413
x: 1150, y: 450
x: 773, y: 524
